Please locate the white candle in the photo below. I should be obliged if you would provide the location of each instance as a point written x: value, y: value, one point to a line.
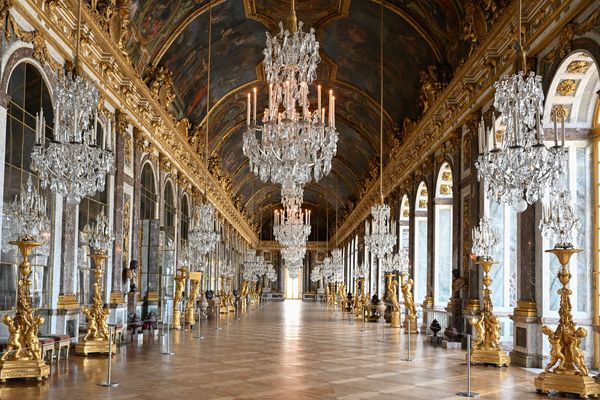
x: 254, y: 106
x: 270, y: 97
x: 323, y: 115
x: 562, y: 124
x: 494, y: 128
x: 248, y: 111
x: 555, y: 129
x: 330, y: 105
x: 319, y: 98
x: 333, y: 111
x: 479, y: 139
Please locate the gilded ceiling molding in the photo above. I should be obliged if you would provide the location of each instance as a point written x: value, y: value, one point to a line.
x: 274, y: 245
x: 118, y: 81
x: 470, y: 88
x: 269, y: 189
x: 180, y: 28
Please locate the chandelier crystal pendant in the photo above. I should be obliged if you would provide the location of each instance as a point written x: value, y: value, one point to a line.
x: 327, y: 269
x: 25, y: 218
x: 560, y: 220
x: 73, y: 164
x: 337, y: 263
x: 315, y: 275
x: 485, y: 239
x: 294, y: 144
x: 291, y: 225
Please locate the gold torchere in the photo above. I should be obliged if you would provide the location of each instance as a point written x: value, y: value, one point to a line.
x: 178, y: 296
x: 230, y: 298
x: 96, y: 337
x: 223, y: 295
x: 190, y: 311
x: 359, y: 298
x: 328, y: 294
x: 571, y: 374
x: 244, y: 295
x: 486, y: 346
x: 392, y: 286
x: 23, y: 358
x: 342, y: 296
x: 410, y: 320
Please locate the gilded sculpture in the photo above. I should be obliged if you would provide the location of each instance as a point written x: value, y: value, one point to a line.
x: 566, y: 371
x: 180, y: 278
x: 190, y: 312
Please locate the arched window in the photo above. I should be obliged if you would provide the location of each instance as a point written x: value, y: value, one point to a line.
x: 185, y: 219
x: 28, y: 95
x: 421, y: 250
x: 168, y: 243
x: 148, y: 205
x: 574, y: 90
x: 404, y: 223
x: 443, y: 236
x: 89, y: 208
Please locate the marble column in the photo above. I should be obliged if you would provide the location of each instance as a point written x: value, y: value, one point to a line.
x: 116, y: 296
x: 527, y: 349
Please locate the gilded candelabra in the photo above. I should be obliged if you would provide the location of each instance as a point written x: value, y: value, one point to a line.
x: 229, y: 297
x: 190, y: 311
x: 244, y: 295
x: 571, y: 375
x: 22, y: 357
x: 342, y: 295
x: 96, y: 337
x: 486, y: 346
x: 392, y: 287
x: 410, y: 320
x: 359, y: 300
x: 178, y: 296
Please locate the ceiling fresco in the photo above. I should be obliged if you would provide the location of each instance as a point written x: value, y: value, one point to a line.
x: 417, y: 34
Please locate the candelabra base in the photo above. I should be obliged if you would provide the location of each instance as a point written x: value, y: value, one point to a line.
x: 190, y: 317
x: 95, y: 346
x: 16, y: 369
x: 411, y: 321
x: 395, y: 319
x: 498, y: 358
x: 177, y: 319
x: 583, y: 386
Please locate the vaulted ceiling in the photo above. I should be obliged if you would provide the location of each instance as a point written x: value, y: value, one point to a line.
x: 417, y: 33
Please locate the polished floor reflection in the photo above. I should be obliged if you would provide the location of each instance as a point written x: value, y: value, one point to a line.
x: 290, y: 350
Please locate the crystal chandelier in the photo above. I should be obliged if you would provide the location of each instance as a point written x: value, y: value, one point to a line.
x: 292, y: 225
x: 327, y: 269
x: 271, y: 275
x: 294, y: 144
x: 26, y: 218
x: 202, y: 237
x: 517, y: 167
x: 100, y: 234
x: 485, y: 239
x: 73, y: 164
x: 361, y: 271
x: 337, y: 263
x: 559, y: 219
x: 250, y: 266
x: 391, y: 263
x: 315, y: 275
x: 380, y: 238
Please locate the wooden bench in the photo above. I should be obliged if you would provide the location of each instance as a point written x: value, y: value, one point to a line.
x: 61, y: 342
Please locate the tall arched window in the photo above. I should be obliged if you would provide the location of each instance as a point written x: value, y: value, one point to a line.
x: 404, y: 222
x: 185, y: 220
x: 421, y: 250
x: 89, y: 208
x: 148, y: 206
x: 443, y: 236
x: 574, y: 89
x: 168, y: 243
x: 28, y: 95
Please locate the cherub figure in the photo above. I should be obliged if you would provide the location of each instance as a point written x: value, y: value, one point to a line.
x: 556, y: 350
x: 102, y: 324
x: 92, y: 327
x: 477, y: 324
x: 14, y: 339
x: 31, y: 339
x: 409, y: 302
x: 392, y: 287
x: 576, y: 352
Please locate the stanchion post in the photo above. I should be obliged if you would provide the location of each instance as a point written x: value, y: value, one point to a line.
x: 109, y: 382
x: 468, y: 393
x: 199, y: 336
x: 168, y: 351
x: 408, y: 355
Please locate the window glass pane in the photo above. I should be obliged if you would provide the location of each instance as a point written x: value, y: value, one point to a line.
x: 444, y: 255
x: 421, y: 259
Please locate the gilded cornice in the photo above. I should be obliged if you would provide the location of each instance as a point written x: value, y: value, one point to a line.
x: 471, y: 88
x: 119, y: 83
x: 274, y: 245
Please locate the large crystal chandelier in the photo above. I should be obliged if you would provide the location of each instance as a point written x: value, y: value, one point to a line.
x: 380, y: 238
x: 74, y: 164
x: 327, y: 269
x: 559, y: 219
x: 270, y: 274
x: 25, y: 219
x: 202, y: 237
x: 294, y: 144
x: 292, y: 225
x: 517, y: 166
x: 485, y: 239
x: 315, y: 275
x: 250, y: 266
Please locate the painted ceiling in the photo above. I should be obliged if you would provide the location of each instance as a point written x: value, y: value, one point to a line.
x: 417, y: 33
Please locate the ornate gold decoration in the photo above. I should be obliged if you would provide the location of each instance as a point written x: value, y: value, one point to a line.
x: 561, y: 111
x: 486, y: 346
x: 96, y: 337
x: 392, y: 287
x: 67, y: 302
x: 22, y: 357
x: 428, y: 302
x: 578, y: 67
x: 571, y: 374
x: 160, y: 83
x: 411, y: 311
x: 432, y: 85
x: 446, y: 190
x: 40, y: 49
x: 567, y: 87
x: 567, y: 33
x: 469, y: 34
x: 190, y: 312
x: 178, y: 296
x: 244, y: 295
x: 525, y: 309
